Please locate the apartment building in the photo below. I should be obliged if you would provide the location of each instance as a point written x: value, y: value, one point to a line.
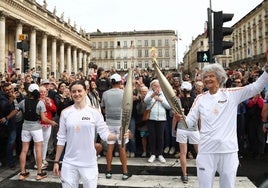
x: 124, y: 50
x: 250, y: 37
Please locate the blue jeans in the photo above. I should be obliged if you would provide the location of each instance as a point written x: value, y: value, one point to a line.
x: 131, y: 146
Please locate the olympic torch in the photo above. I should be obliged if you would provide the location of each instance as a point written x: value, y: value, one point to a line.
x: 167, y: 88
x: 127, y: 104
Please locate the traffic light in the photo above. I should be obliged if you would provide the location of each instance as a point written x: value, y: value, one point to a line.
x: 23, y: 46
x: 219, y: 32
x: 203, y: 56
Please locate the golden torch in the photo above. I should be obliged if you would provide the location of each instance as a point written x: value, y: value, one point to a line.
x: 127, y: 105
x: 167, y: 88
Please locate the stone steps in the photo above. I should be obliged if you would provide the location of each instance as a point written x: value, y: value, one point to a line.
x: 145, y: 175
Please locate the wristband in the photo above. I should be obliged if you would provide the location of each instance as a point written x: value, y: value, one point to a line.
x: 56, y: 162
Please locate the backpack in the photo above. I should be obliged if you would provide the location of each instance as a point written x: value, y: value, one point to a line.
x: 30, y: 110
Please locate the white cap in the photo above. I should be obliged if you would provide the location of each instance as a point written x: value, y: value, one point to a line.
x: 45, y: 81
x: 33, y: 87
x: 116, y: 77
x: 186, y: 86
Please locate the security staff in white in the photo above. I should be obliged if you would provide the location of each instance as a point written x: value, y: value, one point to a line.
x: 217, y: 111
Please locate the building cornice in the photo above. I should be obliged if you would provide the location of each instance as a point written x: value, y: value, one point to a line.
x: 35, y: 15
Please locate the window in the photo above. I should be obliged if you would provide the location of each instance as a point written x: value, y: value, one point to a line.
x: 111, y: 54
x: 99, y: 54
x: 146, y: 64
x: 94, y: 44
x: 140, y: 65
x: 160, y: 53
x: 139, y: 42
x: 99, y: 44
x: 167, y: 64
x: 139, y: 53
x: 132, y: 43
x: 125, y: 53
x: 146, y: 43
x: 112, y: 44
x: 153, y: 43
x: 159, y: 43
x: 125, y: 64
x: 106, y: 55
x: 146, y: 53
x: 166, y: 52
x: 160, y: 64
x: 118, y: 66
x: 125, y: 44
x: 166, y: 42
x: 118, y: 44
x: 94, y: 55
x: 106, y: 44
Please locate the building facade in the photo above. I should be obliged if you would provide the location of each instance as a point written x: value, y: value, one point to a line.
x: 200, y: 43
x: 250, y: 37
x: 54, y: 45
x: 123, y: 50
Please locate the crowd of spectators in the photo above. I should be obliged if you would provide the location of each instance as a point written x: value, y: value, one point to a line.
x: 250, y: 131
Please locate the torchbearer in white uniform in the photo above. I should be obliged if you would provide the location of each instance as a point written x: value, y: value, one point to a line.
x: 78, y: 123
x: 217, y: 111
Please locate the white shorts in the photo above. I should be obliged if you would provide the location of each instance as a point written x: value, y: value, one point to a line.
x: 115, y: 130
x: 27, y: 136
x: 70, y: 176
x: 183, y: 136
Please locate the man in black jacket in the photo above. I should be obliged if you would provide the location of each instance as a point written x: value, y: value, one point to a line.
x: 8, y: 120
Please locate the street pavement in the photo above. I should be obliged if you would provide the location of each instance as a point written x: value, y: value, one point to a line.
x: 145, y: 175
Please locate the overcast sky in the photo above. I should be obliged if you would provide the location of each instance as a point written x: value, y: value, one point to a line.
x: 187, y: 17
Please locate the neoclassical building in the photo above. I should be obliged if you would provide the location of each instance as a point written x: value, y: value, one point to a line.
x: 129, y: 49
x: 54, y: 44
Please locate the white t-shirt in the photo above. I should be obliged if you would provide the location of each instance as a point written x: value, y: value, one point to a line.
x: 77, y: 129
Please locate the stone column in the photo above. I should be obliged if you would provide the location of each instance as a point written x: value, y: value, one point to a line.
x: 44, y: 56
x: 2, y: 42
x: 33, y: 48
x: 54, y: 56
x: 69, y: 60
x: 18, y: 55
x: 75, y: 60
x: 61, y: 69
x: 85, y: 63
x: 80, y: 56
x: 88, y: 61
